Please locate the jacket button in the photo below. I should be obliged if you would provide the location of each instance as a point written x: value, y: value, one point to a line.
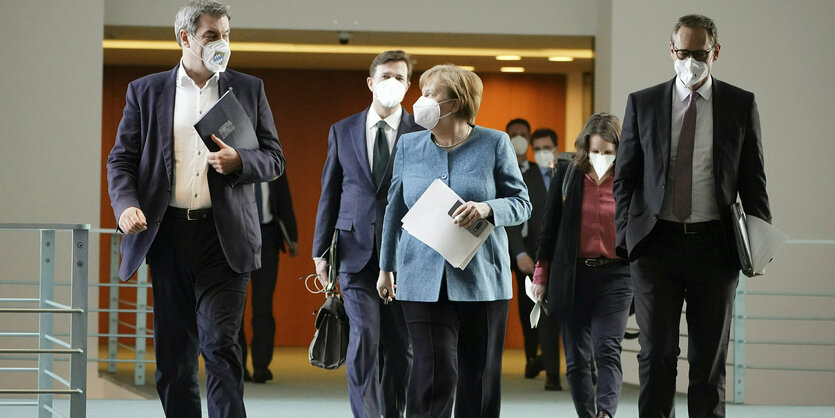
x: 655, y: 216
x: 443, y: 176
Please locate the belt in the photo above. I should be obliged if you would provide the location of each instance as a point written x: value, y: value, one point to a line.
x: 597, y: 262
x: 190, y: 214
x: 688, y: 228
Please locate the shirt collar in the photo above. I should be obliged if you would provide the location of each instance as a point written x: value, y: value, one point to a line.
x: 393, y: 120
x: 183, y: 79
x: 704, y: 91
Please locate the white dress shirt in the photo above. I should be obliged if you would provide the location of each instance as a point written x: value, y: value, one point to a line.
x: 191, y: 189
x: 704, y: 204
x: 392, y: 123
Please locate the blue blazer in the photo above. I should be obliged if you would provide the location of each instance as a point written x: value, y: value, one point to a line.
x: 350, y: 201
x: 140, y: 168
x: 483, y: 169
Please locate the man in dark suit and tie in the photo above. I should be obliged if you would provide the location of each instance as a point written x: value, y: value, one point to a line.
x: 688, y: 148
x: 278, y: 233
x: 522, y: 245
x: 192, y: 212
x: 355, y: 183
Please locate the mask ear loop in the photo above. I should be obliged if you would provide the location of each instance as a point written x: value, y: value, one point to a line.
x: 317, y: 287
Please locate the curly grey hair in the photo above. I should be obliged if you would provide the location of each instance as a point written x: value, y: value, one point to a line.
x: 188, y: 16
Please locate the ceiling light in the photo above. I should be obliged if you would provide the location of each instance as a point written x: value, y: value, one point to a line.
x: 277, y: 47
x: 467, y: 67
x: 513, y: 69
x: 508, y: 57
x: 560, y: 59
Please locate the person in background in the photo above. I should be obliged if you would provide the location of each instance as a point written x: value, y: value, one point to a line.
x: 522, y: 242
x: 278, y: 233
x: 193, y: 212
x: 690, y: 147
x: 355, y: 180
x: 578, y: 272
x: 456, y: 318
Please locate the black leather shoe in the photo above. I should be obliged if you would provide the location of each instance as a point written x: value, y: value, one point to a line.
x: 533, y: 367
x: 247, y: 376
x: 261, y: 376
x: 603, y: 414
x: 552, y: 382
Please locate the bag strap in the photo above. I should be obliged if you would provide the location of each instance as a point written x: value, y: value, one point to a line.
x: 330, y: 290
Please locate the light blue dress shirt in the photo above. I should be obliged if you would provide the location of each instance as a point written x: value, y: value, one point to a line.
x: 482, y: 169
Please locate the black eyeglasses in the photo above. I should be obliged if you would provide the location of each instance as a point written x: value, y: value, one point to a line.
x: 698, y: 55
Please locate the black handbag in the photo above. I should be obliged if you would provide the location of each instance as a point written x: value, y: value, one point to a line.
x: 329, y: 347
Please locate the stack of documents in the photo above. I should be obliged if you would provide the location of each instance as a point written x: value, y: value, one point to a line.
x: 757, y: 241
x: 430, y: 221
x: 539, y: 305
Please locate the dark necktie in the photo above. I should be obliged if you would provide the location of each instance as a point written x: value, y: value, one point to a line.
x: 259, y: 201
x: 683, y: 192
x: 381, y: 153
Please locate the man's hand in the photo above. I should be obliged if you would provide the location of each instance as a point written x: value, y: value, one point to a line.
x: 470, y: 212
x: 293, y: 248
x: 525, y: 263
x: 322, y: 271
x: 226, y: 160
x: 386, y: 286
x: 132, y: 221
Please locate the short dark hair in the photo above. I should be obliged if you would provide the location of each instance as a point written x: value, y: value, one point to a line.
x: 545, y: 132
x: 389, y: 56
x: 519, y: 121
x: 697, y: 21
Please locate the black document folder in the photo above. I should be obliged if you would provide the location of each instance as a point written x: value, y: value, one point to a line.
x: 228, y: 121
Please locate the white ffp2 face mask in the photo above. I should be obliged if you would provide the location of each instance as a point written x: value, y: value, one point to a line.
x: 215, y: 55
x: 690, y: 71
x: 389, y: 93
x: 544, y: 158
x: 520, y: 144
x: 601, y: 163
x: 428, y: 112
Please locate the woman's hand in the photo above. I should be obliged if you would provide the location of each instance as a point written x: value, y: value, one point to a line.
x: 470, y: 212
x: 386, y: 286
x: 538, y: 292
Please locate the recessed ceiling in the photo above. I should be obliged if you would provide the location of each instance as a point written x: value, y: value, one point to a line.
x: 263, y: 48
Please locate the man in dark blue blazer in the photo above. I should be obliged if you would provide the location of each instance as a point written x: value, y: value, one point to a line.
x: 688, y: 148
x: 355, y: 183
x: 192, y: 212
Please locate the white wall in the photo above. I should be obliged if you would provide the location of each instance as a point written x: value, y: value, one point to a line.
x: 50, y: 163
x: 552, y: 17
x: 780, y: 51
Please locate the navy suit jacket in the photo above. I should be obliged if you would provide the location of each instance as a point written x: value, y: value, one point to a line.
x: 644, y: 155
x: 350, y: 201
x: 140, y: 168
x: 538, y: 195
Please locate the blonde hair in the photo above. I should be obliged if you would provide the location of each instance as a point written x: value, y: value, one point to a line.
x: 603, y: 124
x: 460, y: 84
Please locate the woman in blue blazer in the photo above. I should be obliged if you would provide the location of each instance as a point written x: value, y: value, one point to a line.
x: 456, y: 318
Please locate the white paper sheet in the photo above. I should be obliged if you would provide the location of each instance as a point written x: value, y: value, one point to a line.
x: 428, y: 220
x: 765, y: 240
x: 536, y: 312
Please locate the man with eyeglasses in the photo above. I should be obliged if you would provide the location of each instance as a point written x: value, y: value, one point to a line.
x: 688, y: 148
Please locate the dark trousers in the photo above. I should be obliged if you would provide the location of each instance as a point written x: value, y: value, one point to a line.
x: 263, y: 286
x: 594, y: 329
x: 677, y: 267
x: 458, y: 355
x: 198, y: 300
x: 546, y: 334
x: 379, y: 358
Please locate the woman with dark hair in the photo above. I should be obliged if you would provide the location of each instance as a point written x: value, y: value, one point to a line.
x: 577, y: 270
